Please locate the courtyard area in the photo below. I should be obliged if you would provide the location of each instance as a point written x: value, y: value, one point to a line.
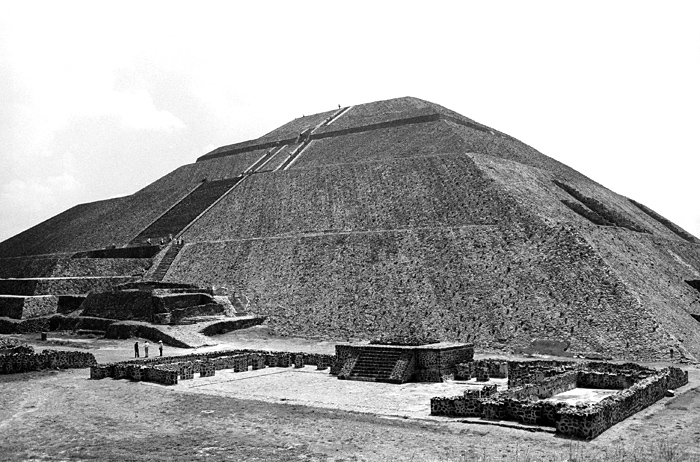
x: 308, y: 386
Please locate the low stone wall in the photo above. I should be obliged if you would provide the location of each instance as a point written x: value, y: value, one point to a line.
x: 13, y: 345
x: 593, y: 420
x: 545, y: 388
x: 524, y: 372
x: 524, y: 403
x: 482, y: 369
x: 167, y: 370
x: 47, y: 359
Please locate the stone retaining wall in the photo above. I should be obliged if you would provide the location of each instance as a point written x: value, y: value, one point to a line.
x: 61, y: 285
x: 52, y: 323
x: 30, y: 306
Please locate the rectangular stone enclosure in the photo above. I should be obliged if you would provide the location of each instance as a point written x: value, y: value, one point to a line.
x: 400, y: 364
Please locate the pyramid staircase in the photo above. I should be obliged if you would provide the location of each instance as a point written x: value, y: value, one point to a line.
x: 375, y: 365
x: 267, y: 157
x: 177, y: 218
x: 167, y: 260
x: 305, y: 139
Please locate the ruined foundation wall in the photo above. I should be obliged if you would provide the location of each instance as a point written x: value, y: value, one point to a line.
x: 167, y: 370
x: 594, y: 420
x: 47, y: 359
x: 523, y: 403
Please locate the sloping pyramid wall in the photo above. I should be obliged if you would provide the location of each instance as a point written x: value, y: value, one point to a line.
x: 402, y: 216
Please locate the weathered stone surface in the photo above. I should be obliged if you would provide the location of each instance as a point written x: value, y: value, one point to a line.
x: 401, y: 216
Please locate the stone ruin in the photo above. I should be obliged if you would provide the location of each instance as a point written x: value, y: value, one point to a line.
x: 159, y: 303
x: 400, y: 363
x: 13, y: 345
x: 526, y: 399
x: 378, y: 217
x: 168, y: 370
x: 17, y: 357
x: 531, y: 383
x: 14, y: 363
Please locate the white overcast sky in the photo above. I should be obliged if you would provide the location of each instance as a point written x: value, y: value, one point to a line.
x: 98, y: 99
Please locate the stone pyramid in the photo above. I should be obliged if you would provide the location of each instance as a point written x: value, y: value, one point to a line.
x: 397, y: 217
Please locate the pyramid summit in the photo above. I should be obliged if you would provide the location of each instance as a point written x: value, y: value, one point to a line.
x: 397, y: 217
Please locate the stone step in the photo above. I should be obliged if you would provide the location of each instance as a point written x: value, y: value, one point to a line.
x: 375, y: 365
x: 365, y: 372
x: 371, y: 372
x: 370, y: 376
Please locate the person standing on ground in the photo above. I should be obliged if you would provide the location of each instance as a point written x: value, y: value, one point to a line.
x: 160, y: 347
x: 136, y: 349
x: 145, y: 349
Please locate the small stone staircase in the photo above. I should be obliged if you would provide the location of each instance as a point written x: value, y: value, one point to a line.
x: 167, y: 260
x: 375, y: 365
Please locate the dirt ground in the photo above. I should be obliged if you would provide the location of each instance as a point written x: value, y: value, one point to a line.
x: 62, y: 415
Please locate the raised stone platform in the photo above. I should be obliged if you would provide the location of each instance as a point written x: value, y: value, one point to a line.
x: 399, y: 363
x: 152, y: 301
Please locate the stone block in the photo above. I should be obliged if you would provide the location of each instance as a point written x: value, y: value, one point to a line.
x: 120, y: 371
x: 271, y: 360
x: 482, y: 374
x: 186, y: 371
x: 207, y: 369
x: 240, y: 363
x: 284, y: 360
x: 257, y: 361
x: 298, y: 360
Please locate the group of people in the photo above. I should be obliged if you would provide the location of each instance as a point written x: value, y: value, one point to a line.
x: 163, y: 241
x: 145, y: 348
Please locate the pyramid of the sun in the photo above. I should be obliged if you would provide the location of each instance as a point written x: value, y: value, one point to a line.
x: 402, y: 216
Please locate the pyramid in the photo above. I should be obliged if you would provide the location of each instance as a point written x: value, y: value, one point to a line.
x: 398, y: 217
